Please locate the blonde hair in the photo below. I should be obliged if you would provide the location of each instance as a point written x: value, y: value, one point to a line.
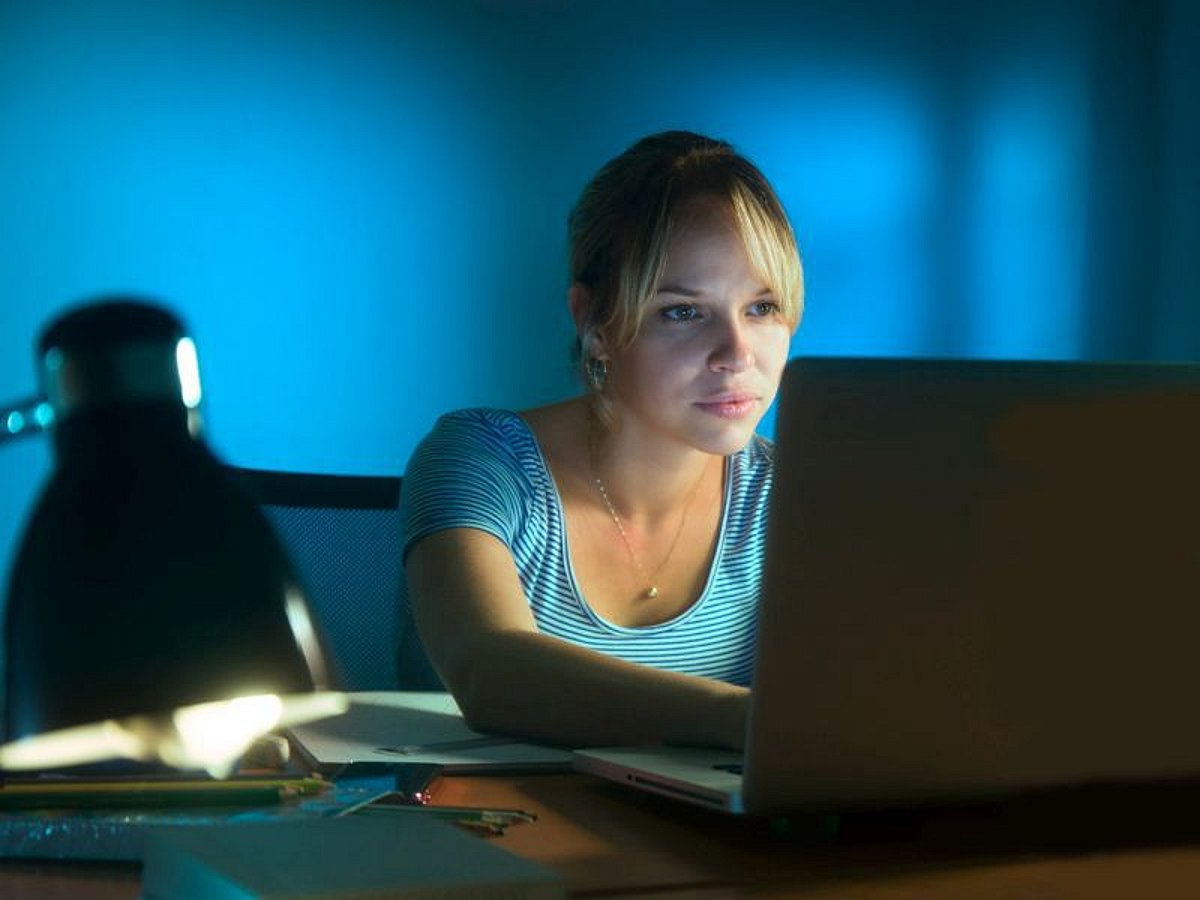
x: 624, y: 221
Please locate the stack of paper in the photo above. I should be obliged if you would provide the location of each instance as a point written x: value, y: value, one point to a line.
x: 416, y: 727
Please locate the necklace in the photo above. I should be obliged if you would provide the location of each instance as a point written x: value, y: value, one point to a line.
x: 651, y: 590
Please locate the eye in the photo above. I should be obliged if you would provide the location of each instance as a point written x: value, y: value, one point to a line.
x: 680, y: 312
x: 764, y: 308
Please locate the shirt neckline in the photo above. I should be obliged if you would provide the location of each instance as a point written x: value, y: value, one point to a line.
x: 565, y: 551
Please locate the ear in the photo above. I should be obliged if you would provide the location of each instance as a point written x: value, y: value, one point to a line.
x: 579, y: 300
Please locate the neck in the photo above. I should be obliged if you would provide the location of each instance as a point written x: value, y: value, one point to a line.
x: 646, y: 479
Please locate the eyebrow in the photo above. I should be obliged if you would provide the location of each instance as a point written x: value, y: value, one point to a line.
x: 677, y: 289
x: 691, y: 292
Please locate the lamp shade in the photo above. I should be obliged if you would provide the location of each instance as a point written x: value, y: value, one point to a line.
x: 146, y: 580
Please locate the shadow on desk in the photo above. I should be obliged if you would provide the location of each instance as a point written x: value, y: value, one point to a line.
x: 1065, y: 834
x: 1098, y: 817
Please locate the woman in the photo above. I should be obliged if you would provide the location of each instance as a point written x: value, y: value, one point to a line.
x: 587, y: 573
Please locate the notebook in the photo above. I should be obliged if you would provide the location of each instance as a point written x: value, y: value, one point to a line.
x: 982, y: 577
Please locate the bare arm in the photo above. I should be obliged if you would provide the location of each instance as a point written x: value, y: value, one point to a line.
x: 481, y: 637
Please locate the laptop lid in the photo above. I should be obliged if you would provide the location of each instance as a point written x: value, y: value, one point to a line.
x: 981, y: 576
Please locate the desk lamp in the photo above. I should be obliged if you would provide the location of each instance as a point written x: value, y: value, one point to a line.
x: 152, y: 613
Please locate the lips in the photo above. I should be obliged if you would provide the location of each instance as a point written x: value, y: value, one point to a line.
x: 730, y: 405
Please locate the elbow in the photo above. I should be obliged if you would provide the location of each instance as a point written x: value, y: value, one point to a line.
x: 487, y: 687
x: 481, y: 714
x: 482, y: 706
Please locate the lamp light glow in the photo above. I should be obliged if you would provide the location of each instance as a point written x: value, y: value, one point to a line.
x: 43, y: 414
x: 25, y: 417
x: 304, y: 630
x: 209, y: 736
x: 188, y: 365
x: 217, y: 733
x: 71, y: 747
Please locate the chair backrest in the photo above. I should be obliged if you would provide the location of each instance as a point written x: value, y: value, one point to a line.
x: 342, y: 533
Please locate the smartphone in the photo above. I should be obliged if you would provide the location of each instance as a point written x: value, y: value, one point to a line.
x: 407, y: 783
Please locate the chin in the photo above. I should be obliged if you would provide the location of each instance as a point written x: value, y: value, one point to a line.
x: 726, y: 441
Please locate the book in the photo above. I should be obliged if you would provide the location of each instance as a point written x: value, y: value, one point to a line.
x: 348, y: 858
x: 416, y: 727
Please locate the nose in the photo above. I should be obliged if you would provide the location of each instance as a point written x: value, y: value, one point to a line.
x: 733, y: 350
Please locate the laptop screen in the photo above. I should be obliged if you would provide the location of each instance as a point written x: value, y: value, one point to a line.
x: 981, y: 577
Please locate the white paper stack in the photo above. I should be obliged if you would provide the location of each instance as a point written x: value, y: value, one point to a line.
x: 416, y: 727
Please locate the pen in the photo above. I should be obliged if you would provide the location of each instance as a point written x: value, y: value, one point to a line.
x: 485, y: 821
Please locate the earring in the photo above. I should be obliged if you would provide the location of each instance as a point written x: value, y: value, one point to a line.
x: 597, y: 373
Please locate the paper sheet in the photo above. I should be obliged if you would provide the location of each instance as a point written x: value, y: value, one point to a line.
x: 416, y: 727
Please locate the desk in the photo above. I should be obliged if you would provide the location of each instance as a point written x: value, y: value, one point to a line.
x: 608, y: 841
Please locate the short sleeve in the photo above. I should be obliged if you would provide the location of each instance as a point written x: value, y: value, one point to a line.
x: 465, y: 474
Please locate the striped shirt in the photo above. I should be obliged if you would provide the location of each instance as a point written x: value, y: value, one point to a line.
x: 483, y: 469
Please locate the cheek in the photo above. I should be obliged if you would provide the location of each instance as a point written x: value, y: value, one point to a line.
x: 653, y: 363
x: 634, y: 375
x: 774, y: 348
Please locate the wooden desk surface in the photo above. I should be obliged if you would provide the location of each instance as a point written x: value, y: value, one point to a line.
x: 609, y: 841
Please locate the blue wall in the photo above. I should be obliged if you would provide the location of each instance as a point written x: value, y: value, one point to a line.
x: 359, y: 207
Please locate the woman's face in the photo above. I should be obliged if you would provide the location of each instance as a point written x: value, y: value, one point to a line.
x: 712, y: 346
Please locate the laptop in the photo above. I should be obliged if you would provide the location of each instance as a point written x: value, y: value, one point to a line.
x: 982, y: 578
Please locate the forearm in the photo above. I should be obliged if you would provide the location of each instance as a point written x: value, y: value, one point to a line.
x: 546, y: 689
x: 507, y: 677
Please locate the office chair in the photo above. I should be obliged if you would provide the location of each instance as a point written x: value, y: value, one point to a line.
x: 342, y: 532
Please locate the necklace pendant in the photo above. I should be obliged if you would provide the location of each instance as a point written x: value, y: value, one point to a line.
x: 652, y: 591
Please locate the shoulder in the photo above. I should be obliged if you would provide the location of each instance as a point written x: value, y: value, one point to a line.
x: 477, y: 468
x: 487, y: 448
x: 475, y: 433
x: 480, y: 423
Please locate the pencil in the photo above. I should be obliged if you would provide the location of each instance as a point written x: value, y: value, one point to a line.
x: 297, y: 784
x: 125, y: 794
